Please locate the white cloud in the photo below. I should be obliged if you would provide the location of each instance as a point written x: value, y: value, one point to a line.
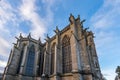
x: 3, y: 63
x: 10, y: 18
x: 109, y: 74
x: 4, y: 45
x: 39, y: 24
x: 28, y: 12
x: 108, y: 15
x: 6, y: 15
x: 8, y: 29
x: 1, y: 71
x: 104, y: 39
x: 105, y: 21
x: 48, y: 4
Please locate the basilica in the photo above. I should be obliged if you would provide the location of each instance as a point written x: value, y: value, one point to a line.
x: 68, y: 55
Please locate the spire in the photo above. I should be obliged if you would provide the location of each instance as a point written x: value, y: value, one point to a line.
x: 78, y: 16
x: 78, y: 19
x: 39, y: 40
x: 20, y: 36
x: 29, y: 35
x: 71, y: 19
x: 57, y: 30
x: 47, y: 38
x: 71, y: 15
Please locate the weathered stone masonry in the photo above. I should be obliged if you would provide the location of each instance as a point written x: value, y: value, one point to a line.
x: 69, y: 55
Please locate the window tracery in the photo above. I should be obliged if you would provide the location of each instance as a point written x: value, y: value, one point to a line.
x: 66, y: 55
x: 30, y: 61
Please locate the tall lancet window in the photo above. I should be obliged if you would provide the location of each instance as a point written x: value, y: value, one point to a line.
x: 52, y: 58
x: 30, y: 61
x: 66, y: 55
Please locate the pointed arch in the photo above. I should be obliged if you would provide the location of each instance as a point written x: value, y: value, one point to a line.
x: 66, y: 55
x: 30, y: 61
x: 52, y: 58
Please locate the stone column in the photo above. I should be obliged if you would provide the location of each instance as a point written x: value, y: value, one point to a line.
x: 22, y: 67
x: 46, y: 67
x: 10, y: 58
x: 95, y: 63
x: 75, y: 50
x: 58, y: 56
x: 36, y: 59
x: 9, y: 62
x: 43, y: 75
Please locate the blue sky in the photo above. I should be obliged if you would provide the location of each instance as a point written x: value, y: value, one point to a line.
x: 40, y: 17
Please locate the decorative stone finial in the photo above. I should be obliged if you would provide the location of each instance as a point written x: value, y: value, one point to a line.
x: 17, y: 38
x: 39, y: 40
x: 47, y: 38
x: 71, y: 15
x: 15, y: 45
x: 57, y: 30
x: 78, y: 16
x: 20, y: 36
x: 86, y: 28
x: 83, y: 21
x: 71, y: 19
x: 29, y: 36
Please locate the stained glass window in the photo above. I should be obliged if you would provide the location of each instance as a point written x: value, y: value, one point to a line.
x: 30, y: 61
x: 66, y: 55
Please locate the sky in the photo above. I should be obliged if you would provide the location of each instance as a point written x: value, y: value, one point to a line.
x: 40, y: 17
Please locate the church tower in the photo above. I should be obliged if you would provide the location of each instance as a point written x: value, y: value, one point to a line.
x: 69, y: 55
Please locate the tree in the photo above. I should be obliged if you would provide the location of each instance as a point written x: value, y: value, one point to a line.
x: 104, y: 78
x: 118, y: 70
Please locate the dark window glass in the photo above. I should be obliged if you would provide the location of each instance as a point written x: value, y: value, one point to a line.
x: 30, y: 61
x: 66, y: 55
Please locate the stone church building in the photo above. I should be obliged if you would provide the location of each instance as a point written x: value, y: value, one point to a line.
x: 68, y: 55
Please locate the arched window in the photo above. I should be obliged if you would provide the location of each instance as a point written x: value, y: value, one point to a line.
x: 52, y: 58
x: 30, y: 61
x: 66, y: 55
